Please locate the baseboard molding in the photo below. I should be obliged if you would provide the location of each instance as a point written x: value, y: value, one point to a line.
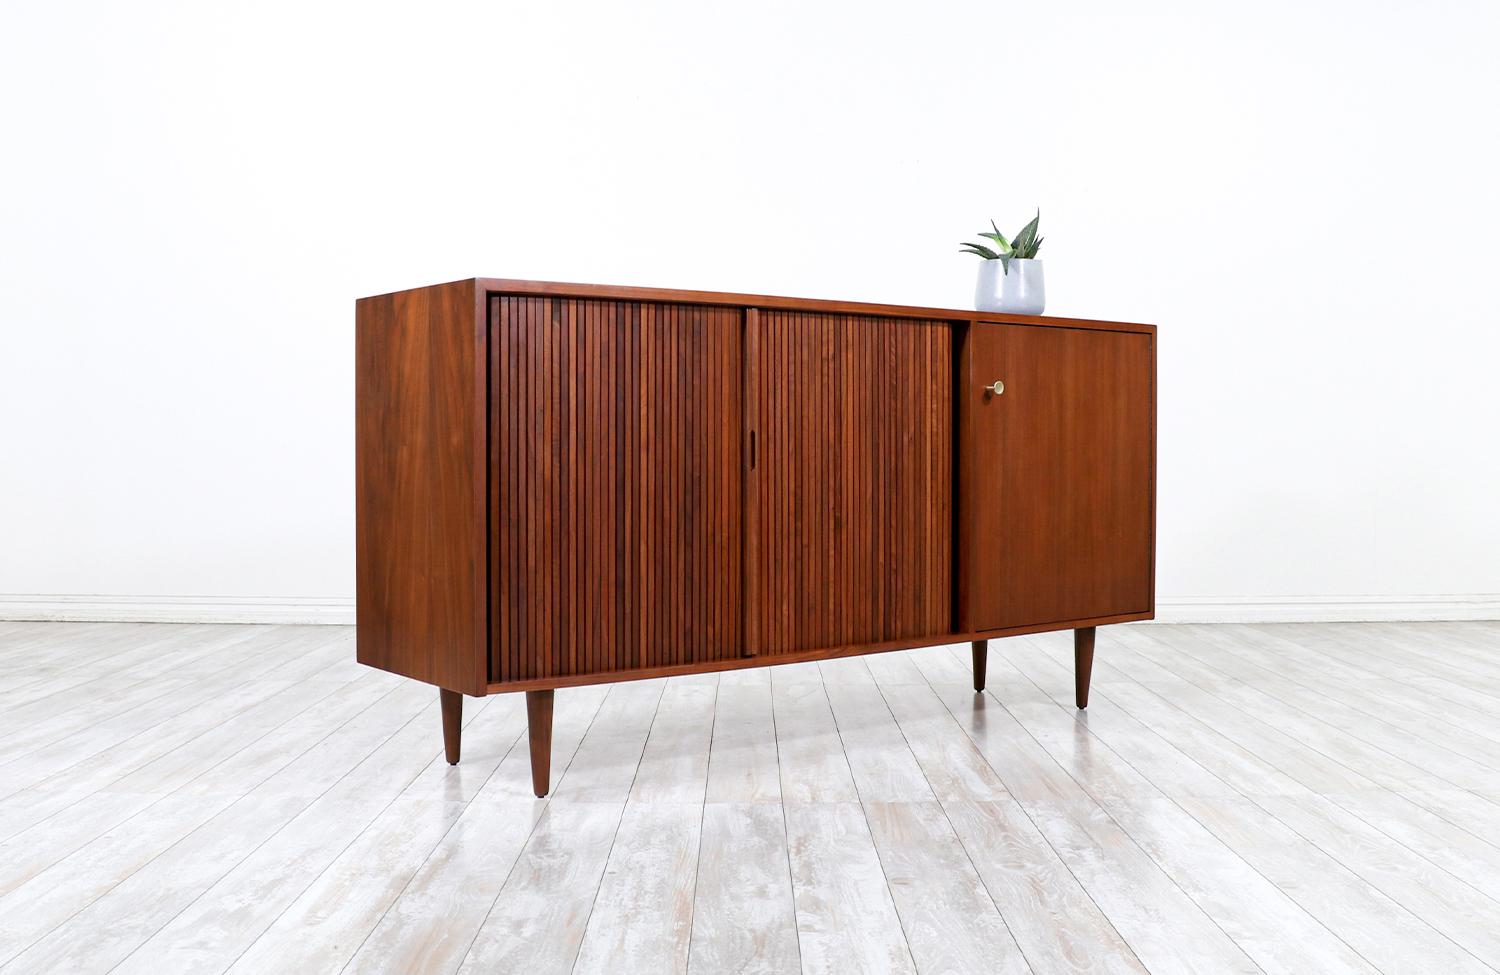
x: 179, y: 609
x: 1327, y: 609
x: 340, y: 610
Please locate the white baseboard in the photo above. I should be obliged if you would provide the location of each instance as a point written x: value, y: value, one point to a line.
x: 180, y: 609
x: 340, y: 610
x: 1327, y: 609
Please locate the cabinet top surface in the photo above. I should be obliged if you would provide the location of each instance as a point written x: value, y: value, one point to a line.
x: 557, y: 289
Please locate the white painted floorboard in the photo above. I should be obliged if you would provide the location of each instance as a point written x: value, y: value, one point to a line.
x: 1299, y: 798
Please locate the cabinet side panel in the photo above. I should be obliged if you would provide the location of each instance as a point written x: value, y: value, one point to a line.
x: 419, y: 485
x: 853, y: 495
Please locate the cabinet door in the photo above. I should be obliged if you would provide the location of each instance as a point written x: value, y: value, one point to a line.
x: 1056, y: 475
x: 615, y: 485
x: 849, y: 495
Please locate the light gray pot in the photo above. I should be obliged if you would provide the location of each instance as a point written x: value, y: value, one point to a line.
x: 1021, y: 292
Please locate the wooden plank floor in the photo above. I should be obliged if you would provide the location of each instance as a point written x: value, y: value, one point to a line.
x: 1300, y: 798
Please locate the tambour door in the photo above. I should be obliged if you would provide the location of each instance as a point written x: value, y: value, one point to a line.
x: 615, y: 485
x: 1056, y: 474
x: 848, y: 515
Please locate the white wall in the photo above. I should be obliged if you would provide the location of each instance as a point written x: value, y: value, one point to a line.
x: 1302, y: 195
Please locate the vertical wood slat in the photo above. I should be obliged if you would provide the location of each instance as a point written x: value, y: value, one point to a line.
x: 570, y: 492
x: 630, y: 474
x: 499, y: 449
x: 553, y: 542
x: 608, y: 383
x: 592, y: 528
x: 526, y: 467
x: 668, y: 567
x: 597, y: 459
x: 656, y: 478
x: 750, y: 382
x: 616, y: 484
x: 853, y: 494
x: 513, y: 466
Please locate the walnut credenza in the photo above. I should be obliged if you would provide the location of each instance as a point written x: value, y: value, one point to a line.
x: 564, y: 484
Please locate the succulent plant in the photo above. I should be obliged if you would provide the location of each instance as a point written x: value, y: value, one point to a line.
x: 1023, y: 247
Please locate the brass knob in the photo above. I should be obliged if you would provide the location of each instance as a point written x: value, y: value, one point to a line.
x: 997, y: 387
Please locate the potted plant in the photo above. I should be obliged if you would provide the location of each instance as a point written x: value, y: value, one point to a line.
x: 1010, y: 276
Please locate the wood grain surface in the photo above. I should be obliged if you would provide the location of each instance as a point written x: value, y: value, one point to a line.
x: 852, y: 486
x: 1057, y: 494
x: 420, y: 526
x: 615, y: 486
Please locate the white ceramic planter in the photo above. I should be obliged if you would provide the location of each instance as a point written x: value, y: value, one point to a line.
x: 1021, y: 292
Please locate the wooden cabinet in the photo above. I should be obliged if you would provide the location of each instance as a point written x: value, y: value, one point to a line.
x: 567, y: 484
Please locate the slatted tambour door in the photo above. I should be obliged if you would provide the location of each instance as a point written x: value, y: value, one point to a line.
x: 615, y: 485
x: 849, y: 503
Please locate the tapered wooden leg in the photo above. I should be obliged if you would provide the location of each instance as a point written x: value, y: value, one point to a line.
x: 981, y: 658
x: 1083, y: 663
x: 453, y: 721
x: 539, y: 731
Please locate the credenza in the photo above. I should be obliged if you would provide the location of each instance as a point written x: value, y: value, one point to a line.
x: 567, y: 484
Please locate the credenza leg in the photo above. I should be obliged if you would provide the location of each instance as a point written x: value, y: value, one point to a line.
x: 539, y: 732
x: 453, y: 722
x: 981, y: 658
x: 1083, y: 663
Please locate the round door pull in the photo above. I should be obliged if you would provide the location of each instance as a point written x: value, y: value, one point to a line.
x: 996, y: 388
